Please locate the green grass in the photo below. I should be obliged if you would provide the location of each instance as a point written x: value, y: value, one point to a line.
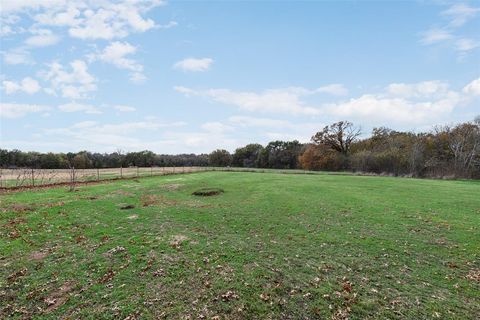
x: 272, y: 246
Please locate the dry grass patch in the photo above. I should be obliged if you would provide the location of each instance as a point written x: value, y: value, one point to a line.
x: 153, y: 200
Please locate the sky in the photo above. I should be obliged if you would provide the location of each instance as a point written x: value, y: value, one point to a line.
x: 194, y: 76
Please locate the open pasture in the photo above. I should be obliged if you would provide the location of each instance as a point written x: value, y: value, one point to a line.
x: 265, y: 246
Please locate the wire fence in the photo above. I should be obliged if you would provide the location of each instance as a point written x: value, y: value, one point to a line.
x: 29, y: 177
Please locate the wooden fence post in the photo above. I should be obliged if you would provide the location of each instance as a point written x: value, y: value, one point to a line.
x: 98, y: 174
x: 72, y: 178
x: 33, y: 178
x: 121, y: 172
x: 137, y: 171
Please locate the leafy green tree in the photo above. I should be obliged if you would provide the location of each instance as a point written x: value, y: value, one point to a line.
x: 220, y: 158
x: 247, y: 156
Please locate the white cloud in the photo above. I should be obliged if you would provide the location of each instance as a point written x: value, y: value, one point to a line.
x: 84, y: 124
x: 7, y: 24
x: 17, y: 110
x: 473, y: 88
x: 216, y: 127
x: 17, y: 56
x: 76, y: 107
x: 110, y: 137
x: 137, y: 77
x: 403, y: 110
x: 245, y: 121
x: 435, y: 35
x: 335, y: 89
x: 168, y: 25
x: 5, y: 30
x: 460, y: 13
x: 64, y: 16
x: 432, y: 88
x: 27, y: 85
x: 101, y: 19
x: 75, y: 84
x: 285, y: 101
x: 115, y: 53
x: 465, y: 44
x: 12, y: 6
x: 123, y: 108
x: 89, y: 19
x: 193, y: 64
x: 42, y: 38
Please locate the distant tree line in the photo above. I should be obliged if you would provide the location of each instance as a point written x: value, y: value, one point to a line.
x: 446, y: 151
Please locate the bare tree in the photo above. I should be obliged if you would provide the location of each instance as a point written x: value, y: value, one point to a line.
x: 464, y: 142
x: 73, y: 178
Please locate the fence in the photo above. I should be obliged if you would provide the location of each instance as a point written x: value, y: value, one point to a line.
x: 27, y: 177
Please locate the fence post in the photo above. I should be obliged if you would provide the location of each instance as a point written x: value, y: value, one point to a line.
x: 121, y: 172
x: 137, y: 171
x: 33, y: 178
x: 72, y: 178
x: 98, y: 174
x: 151, y: 170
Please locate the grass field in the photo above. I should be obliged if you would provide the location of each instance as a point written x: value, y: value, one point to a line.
x: 272, y: 246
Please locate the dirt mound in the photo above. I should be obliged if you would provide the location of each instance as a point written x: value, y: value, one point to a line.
x: 207, y: 192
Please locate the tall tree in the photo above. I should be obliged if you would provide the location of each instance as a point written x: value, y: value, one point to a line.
x: 247, y: 156
x: 220, y: 158
x: 338, y: 136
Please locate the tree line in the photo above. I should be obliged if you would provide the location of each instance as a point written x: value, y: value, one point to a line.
x: 445, y: 151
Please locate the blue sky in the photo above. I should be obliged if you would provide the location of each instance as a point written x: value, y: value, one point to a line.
x: 195, y: 76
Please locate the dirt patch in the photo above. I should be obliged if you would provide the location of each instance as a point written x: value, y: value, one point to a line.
x: 17, y: 274
x: 177, y: 240
x: 148, y: 200
x: 38, y: 255
x: 127, y: 207
x: 152, y: 200
x: 15, y: 221
x: 107, y: 276
x: 12, y: 228
x: 208, y: 192
x: 18, y: 207
x: 133, y: 217
x: 123, y: 193
x: 54, y: 204
x: 59, y: 297
x: 172, y: 186
x: 474, y: 275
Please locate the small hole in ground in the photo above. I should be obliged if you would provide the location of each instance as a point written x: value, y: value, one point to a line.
x: 207, y: 192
